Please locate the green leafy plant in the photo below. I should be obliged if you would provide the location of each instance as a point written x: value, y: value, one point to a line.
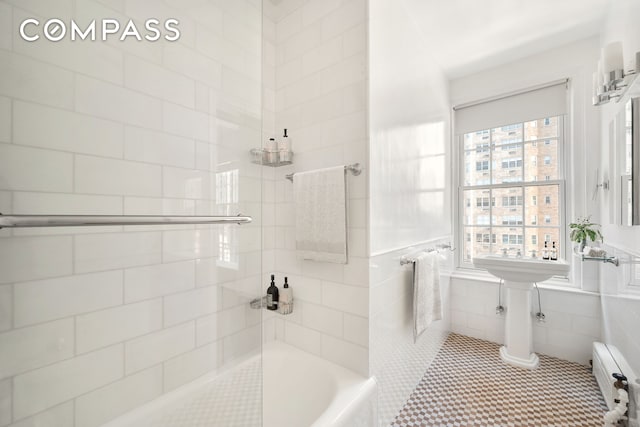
x: 584, y: 229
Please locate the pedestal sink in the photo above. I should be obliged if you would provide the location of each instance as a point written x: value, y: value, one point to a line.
x: 519, y: 275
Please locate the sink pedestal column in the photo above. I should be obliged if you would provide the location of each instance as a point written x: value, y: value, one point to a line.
x: 518, y: 336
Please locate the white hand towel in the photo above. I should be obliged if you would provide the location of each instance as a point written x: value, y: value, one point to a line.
x: 427, y: 304
x: 321, y: 215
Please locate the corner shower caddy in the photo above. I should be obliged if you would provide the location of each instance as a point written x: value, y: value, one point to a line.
x: 261, y: 156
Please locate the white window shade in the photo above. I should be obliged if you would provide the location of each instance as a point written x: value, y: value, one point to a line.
x: 536, y: 103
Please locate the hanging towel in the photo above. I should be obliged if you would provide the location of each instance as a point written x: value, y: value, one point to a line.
x: 320, y: 198
x: 427, y: 305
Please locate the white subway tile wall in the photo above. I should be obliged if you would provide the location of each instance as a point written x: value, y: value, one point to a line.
x: 96, y: 321
x: 315, y: 86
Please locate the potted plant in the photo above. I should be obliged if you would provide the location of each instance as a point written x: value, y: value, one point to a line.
x: 584, y: 229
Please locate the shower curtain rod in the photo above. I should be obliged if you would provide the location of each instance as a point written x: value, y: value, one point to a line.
x: 26, y: 221
x: 355, y: 169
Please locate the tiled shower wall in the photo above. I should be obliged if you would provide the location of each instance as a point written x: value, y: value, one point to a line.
x: 320, y: 53
x: 96, y: 321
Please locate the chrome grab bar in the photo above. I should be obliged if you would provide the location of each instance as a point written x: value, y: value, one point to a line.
x: 26, y: 221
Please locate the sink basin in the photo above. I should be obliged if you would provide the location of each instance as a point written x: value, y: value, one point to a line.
x: 524, y: 270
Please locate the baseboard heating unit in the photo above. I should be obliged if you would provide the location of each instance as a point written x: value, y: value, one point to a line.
x: 607, y: 361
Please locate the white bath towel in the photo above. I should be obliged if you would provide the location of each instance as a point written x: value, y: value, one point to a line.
x: 427, y: 304
x: 320, y: 198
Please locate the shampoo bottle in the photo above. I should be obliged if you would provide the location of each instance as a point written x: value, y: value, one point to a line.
x: 554, y: 252
x: 286, y: 298
x: 272, y: 295
x: 284, y: 148
x: 545, y: 251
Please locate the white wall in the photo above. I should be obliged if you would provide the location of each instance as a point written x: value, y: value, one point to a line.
x: 409, y: 125
x: 321, y: 98
x: 572, y: 315
x: 410, y: 197
x: 96, y: 321
x: 620, y: 302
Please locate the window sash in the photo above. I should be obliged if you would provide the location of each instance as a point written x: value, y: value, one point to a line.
x: 523, y: 227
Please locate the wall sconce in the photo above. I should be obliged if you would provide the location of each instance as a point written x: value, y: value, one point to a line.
x: 610, y: 81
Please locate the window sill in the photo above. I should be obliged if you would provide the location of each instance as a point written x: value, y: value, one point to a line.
x: 557, y: 284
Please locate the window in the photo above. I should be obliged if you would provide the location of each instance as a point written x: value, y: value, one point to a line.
x: 485, y: 238
x: 509, y: 175
x: 512, y: 220
x: 483, y: 147
x: 482, y: 166
x: 511, y: 163
x: 507, y: 179
x: 512, y: 239
x: 483, y: 202
x: 512, y: 201
x: 510, y: 128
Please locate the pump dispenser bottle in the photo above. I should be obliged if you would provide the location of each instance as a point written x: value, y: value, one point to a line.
x: 284, y: 148
x: 285, y: 304
x: 272, y: 295
x: 545, y: 251
x: 554, y: 252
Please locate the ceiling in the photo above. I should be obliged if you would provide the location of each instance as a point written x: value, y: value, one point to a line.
x: 468, y: 36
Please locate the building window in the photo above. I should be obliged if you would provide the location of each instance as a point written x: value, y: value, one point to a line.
x: 534, y: 200
x: 512, y: 163
x: 512, y: 239
x: 534, y: 239
x: 547, y: 200
x: 534, y: 220
x: 511, y: 220
x: 485, y: 238
x: 482, y: 166
x: 512, y: 201
x: 547, y: 219
x: 483, y: 202
x: 547, y: 160
x: 547, y: 121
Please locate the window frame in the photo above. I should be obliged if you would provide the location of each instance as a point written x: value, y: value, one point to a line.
x: 560, y: 182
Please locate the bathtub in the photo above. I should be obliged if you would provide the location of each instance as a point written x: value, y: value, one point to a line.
x: 304, y: 390
x: 287, y: 387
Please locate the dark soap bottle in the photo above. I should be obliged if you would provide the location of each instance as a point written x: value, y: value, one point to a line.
x: 273, y: 295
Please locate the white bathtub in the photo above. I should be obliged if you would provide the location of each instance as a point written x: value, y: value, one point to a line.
x: 304, y: 390
x: 297, y: 390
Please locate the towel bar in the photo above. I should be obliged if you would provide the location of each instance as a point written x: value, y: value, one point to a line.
x: 437, y: 248
x: 355, y: 169
x: 26, y: 221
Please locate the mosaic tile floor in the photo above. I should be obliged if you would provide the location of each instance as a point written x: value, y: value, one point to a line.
x: 468, y: 385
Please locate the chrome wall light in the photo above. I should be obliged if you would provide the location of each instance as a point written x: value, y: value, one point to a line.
x: 611, y: 80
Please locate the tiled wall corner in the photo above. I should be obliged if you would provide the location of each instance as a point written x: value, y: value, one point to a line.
x: 320, y: 95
